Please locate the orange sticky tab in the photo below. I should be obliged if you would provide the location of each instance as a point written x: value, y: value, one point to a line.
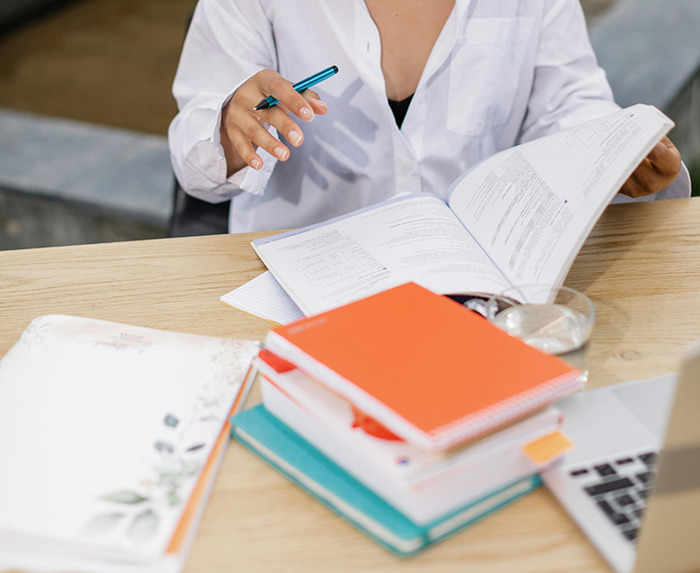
x: 548, y: 447
x: 280, y: 365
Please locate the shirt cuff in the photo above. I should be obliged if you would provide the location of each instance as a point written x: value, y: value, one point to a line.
x: 208, y: 159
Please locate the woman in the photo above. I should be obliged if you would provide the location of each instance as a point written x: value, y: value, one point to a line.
x: 481, y: 76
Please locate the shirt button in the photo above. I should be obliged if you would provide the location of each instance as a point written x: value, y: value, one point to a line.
x: 407, y: 165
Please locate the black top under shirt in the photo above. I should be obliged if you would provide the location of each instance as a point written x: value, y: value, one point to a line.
x: 399, y: 109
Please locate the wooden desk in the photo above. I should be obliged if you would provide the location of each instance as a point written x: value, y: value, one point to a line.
x: 640, y: 266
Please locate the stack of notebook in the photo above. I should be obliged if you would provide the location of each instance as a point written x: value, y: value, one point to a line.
x: 407, y: 414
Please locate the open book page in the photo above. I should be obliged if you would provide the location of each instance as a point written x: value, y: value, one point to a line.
x: 531, y: 207
x: 409, y: 238
x: 105, y: 429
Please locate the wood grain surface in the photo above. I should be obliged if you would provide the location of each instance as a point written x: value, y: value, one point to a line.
x: 640, y: 266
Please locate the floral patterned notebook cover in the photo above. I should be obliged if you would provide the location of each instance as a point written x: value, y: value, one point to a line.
x: 104, y: 430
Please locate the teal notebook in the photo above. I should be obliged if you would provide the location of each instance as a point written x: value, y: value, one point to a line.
x: 306, y: 466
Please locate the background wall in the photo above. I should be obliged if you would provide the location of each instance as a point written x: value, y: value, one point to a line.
x: 110, y: 62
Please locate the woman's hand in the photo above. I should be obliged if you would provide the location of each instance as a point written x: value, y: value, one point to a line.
x: 243, y: 129
x: 656, y: 172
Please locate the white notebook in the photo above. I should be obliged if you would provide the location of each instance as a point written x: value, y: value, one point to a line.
x: 105, y: 432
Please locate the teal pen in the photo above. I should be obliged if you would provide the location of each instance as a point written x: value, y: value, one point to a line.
x: 271, y: 101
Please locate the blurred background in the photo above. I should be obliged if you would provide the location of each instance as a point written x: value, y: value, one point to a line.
x: 109, y: 62
x: 85, y: 103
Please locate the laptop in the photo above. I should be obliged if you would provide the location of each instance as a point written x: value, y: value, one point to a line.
x: 632, y: 482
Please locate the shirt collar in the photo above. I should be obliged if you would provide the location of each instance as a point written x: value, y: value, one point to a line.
x: 451, y: 34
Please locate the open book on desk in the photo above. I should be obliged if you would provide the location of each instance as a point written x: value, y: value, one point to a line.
x: 518, y: 217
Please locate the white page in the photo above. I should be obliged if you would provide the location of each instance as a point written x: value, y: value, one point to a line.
x: 264, y: 297
x: 105, y: 429
x: 410, y: 238
x: 531, y: 207
x: 396, y: 459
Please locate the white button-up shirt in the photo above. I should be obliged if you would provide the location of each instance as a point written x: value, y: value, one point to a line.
x: 500, y: 73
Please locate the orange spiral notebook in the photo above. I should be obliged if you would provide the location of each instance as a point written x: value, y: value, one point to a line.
x: 431, y: 371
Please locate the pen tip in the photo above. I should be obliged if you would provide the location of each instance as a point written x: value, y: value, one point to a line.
x: 262, y: 105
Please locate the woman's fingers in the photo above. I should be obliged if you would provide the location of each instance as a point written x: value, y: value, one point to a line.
x: 285, y: 125
x: 249, y: 132
x: 244, y: 128
x: 315, y: 101
x: 273, y: 84
x: 656, y: 172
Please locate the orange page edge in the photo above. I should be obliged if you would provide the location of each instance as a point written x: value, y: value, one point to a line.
x: 183, y: 528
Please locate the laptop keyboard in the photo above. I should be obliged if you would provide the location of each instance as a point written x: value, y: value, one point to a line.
x: 620, y: 488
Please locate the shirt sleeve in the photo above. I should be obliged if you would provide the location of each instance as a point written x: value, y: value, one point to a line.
x: 570, y: 88
x: 228, y: 41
